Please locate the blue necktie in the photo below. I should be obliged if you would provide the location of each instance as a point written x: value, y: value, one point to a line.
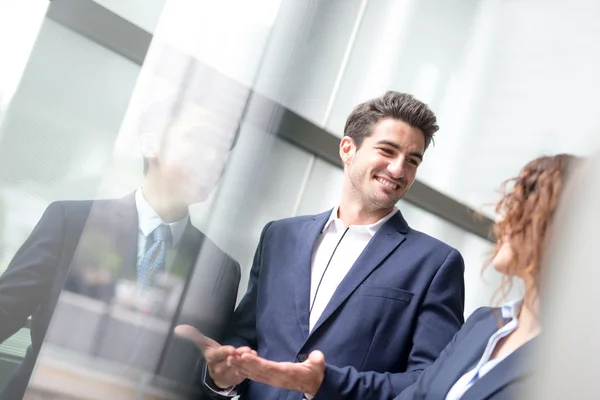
x: 155, y: 257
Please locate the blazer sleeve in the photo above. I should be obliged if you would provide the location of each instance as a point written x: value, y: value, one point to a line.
x: 242, y: 328
x: 229, y: 296
x: 426, y: 380
x: 27, y: 281
x: 440, y: 317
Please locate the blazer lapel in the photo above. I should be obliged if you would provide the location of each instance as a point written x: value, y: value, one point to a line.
x: 385, y: 241
x: 125, y: 232
x: 516, y: 365
x: 108, y: 243
x: 468, y: 353
x: 301, y: 270
x: 188, y: 252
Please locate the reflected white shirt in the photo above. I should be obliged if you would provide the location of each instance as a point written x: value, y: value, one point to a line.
x: 350, y: 242
x: 149, y: 220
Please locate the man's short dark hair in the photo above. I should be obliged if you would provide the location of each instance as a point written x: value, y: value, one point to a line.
x: 400, y: 106
x: 160, y: 116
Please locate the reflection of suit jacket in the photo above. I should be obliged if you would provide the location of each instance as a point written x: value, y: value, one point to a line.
x: 505, y: 381
x: 395, y: 310
x: 75, y: 237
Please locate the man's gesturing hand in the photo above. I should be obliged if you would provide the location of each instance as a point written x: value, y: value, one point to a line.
x: 305, y: 377
x: 218, y: 358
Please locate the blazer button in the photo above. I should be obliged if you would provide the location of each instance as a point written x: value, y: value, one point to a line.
x: 302, y: 357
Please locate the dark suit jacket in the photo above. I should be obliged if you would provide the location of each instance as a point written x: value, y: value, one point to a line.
x: 390, y: 317
x: 503, y: 382
x: 73, y: 236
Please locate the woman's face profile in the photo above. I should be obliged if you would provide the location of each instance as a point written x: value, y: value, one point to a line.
x: 504, y: 256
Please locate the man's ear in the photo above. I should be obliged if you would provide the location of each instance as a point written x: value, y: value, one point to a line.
x: 347, y: 149
x: 149, y: 145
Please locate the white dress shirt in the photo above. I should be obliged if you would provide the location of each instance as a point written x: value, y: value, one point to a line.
x: 335, y: 252
x: 510, y: 314
x: 148, y: 221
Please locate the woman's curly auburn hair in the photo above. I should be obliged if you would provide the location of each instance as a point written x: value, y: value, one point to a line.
x: 526, y: 214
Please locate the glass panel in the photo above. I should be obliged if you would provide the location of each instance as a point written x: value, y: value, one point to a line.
x: 305, y: 54
x: 143, y: 13
x: 57, y: 134
x: 21, y: 20
x: 229, y: 35
x: 410, y: 46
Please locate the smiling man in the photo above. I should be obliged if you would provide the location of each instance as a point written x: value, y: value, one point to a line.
x: 352, y: 303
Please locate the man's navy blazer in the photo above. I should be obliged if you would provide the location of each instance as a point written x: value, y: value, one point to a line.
x: 390, y: 317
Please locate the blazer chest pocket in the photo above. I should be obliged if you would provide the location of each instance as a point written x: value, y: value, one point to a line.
x: 385, y: 292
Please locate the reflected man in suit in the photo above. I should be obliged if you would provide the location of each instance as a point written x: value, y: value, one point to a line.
x: 90, y: 247
x: 352, y: 303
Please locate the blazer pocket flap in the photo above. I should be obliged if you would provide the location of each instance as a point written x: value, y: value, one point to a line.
x: 386, y: 292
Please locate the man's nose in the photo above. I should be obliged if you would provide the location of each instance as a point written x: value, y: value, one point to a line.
x: 396, y: 168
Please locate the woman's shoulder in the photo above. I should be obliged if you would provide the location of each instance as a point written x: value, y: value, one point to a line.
x: 482, y: 313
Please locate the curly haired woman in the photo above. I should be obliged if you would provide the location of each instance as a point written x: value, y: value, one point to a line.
x: 487, y: 359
